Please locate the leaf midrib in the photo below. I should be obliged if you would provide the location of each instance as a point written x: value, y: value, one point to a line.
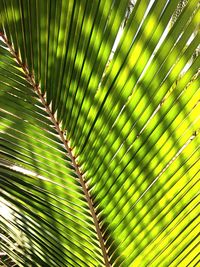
x: 37, y: 90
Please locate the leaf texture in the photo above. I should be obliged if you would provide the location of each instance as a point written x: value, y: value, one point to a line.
x: 99, y: 152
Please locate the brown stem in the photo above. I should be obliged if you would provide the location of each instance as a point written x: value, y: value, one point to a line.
x: 81, y: 179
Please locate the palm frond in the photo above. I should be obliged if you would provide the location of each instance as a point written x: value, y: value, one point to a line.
x: 99, y: 152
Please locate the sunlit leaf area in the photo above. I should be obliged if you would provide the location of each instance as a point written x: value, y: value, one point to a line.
x: 99, y: 133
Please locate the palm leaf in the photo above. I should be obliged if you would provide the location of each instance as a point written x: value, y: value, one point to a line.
x: 99, y: 125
